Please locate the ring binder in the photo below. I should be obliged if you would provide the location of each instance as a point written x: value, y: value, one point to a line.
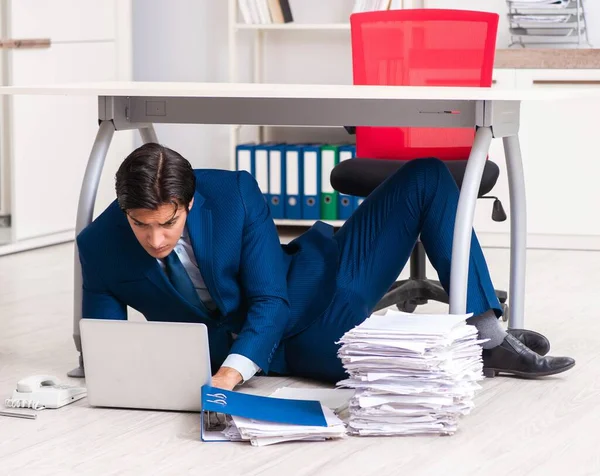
x: 233, y: 416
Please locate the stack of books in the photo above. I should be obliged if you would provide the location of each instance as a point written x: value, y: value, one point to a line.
x: 265, y: 11
x: 374, y: 5
x: 414, y: 374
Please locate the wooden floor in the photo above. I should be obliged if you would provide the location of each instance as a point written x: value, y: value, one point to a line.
x: 519, y: 427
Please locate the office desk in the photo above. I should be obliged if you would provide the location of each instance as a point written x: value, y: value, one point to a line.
x: 495, y: 113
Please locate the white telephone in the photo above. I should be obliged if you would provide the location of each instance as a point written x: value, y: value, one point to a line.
x: 44, y: 391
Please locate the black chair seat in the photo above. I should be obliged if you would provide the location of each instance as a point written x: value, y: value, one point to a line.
x: 359, y: 177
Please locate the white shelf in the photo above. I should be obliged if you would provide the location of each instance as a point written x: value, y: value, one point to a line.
x: 285, y: 222
x: 294, y: 26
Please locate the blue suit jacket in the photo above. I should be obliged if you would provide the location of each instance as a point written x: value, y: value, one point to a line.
x: 264, y: 291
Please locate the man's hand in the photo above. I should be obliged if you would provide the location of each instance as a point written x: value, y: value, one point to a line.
x: 226, y: 378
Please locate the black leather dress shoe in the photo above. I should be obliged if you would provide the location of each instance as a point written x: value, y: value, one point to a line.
x: 534, y: 340
x: 513, y: 357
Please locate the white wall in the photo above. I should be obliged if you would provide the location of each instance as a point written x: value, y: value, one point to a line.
x: 593, y: 20
x: 183, y: 40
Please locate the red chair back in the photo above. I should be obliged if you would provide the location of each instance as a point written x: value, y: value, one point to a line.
x: 421, y: 47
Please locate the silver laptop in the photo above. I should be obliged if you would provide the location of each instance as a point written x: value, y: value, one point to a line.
x: 149, y: 365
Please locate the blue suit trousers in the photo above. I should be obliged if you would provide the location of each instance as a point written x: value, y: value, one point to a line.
x: 418, y: 201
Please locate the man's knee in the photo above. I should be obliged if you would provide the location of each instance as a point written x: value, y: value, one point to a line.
x: 423, y: 170
x: 427, y: 174
x: 428, y: 164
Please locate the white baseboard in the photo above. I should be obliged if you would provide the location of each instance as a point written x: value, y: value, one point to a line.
x: 546, y: 242
x: 5, y: 235
x: 39, y: 242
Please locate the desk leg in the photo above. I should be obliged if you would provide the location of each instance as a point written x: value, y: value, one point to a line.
x: 463, y: 226
x: 518, y: 230
x: 148, y: 134
x: 85, y: 214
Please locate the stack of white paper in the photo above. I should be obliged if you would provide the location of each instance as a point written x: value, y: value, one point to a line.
x: 540, y: 3
x: 413, y: 373
x: 550, y: 19
x: 263, y: 433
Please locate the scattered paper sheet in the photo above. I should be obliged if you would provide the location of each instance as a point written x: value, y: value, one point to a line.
x: 335, y: 399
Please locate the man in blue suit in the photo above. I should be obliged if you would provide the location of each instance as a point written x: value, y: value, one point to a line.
x: 200, y: 246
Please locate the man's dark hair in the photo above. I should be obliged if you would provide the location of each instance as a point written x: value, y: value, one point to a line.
x: 154, y: 175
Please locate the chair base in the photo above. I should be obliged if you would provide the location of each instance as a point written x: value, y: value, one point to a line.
x: 409, y: 293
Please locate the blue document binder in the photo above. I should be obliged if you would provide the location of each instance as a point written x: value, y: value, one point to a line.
x: 293, y: 182
x: 277, y: 180
x: 346, y: 203
x: 244, y: 158
x: 311, y: 206
x: 261, y: 168
x: 277, y: 410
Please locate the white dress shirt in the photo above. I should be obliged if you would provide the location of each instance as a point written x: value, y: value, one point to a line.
x: 185, y: 252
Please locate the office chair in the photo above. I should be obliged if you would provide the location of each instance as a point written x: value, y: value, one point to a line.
x: 421, y: 47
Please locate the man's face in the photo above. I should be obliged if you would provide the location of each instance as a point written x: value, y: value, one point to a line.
x: 158, y: 230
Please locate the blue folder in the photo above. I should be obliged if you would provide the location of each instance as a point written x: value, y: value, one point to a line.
x: 277, y: 192
x: 261, y: 167
x: 294, y: 182
x: 277, y: 410
x: 346, y: 203
x: 311, y: 190
x: 244, y: 157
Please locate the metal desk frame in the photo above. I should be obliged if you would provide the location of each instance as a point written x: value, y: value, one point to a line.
x: 492, y: 118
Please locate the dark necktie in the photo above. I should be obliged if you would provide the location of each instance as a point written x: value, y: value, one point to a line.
x: 180, y: 279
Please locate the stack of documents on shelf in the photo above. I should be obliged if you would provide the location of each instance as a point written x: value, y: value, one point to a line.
x: 413, y: 373
x: 539, y: 3
x: 544, y: 19
x: 265, y: 420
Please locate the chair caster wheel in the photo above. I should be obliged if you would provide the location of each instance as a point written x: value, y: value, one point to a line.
x: 407, y: 306
x: 505, y: 312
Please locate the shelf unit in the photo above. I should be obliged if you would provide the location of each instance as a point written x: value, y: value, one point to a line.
x: 258, y: 34
x: 541, y: 24
x: 544, y: 230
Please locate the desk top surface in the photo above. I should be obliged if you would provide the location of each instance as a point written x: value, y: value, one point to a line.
x: 295, y: 91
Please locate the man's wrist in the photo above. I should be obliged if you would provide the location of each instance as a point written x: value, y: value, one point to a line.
x: 230, y: 375
x: 246, y: 367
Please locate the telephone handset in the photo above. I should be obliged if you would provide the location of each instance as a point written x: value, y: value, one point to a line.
x: 31, y: 384
x: 44, y: 391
